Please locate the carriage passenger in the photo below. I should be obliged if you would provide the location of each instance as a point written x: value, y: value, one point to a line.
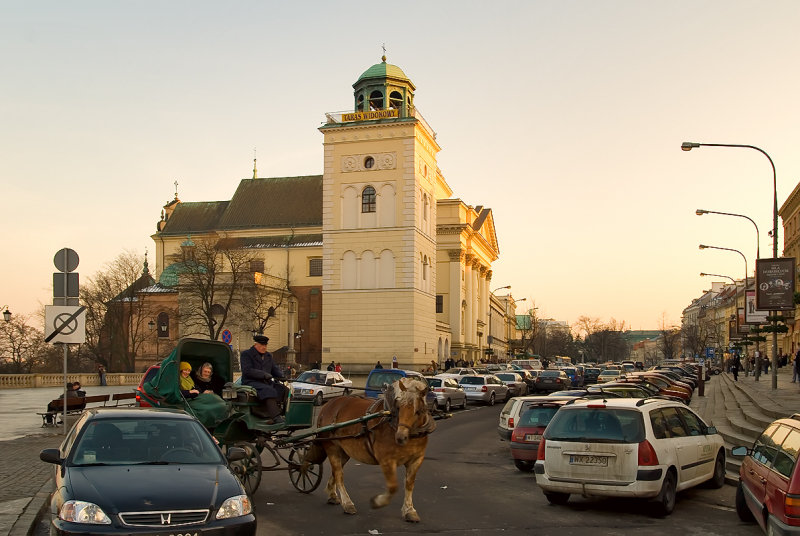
x: 260, y: 371
x: 206, y: 381
x: 188, y: 389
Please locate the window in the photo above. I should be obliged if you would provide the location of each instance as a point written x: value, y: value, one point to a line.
x: 439, y: 303
x: 315, y: 267
x: 257, y: 266
x: 376, y: 100
x: 163, y: 325
x: 368, y: 203
x: 695, y: 426
x: 395, y: 100
x: 675, y: 426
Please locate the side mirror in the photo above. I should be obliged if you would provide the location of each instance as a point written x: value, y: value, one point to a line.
x: 235, y: 454
x: 51, y: 456
x: 711, y: 430
x: 739, y: 451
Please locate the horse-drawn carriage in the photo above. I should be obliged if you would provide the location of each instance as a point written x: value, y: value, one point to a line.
x: 231, y: 421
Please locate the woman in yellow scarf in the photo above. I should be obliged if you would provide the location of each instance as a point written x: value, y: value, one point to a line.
x: 188, y: 389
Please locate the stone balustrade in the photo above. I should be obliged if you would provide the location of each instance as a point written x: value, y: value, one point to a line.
x: 18, y: 381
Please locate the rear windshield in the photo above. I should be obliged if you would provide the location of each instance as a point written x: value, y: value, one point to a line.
x: 508, y: 377
x: 538, y: 416
x: 434, y: 382
x: 471, y: 380
x: 609, y: 425
x: 550, y: 374
x: 377, y: 379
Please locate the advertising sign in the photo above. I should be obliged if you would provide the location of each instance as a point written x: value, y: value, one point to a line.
x: 775, y: 284
x: 372, y: 114
x: 741, y: 327
x: 751, y: 314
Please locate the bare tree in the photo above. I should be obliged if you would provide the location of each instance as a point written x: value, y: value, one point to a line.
x: 604, y: 342
x: 262, y: 297
x: 670, y: 340
x: 529, y: 329
x: 211, y: 281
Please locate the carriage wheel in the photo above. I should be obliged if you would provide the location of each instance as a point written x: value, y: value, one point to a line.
x: 248, y: 470
x: 306, y: 480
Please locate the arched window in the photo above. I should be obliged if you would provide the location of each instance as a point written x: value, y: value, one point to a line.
x: 395, y: 100
x: 360, y: 105
x: 376, y: 100
x: 163, y: 325
x: 368, y: 203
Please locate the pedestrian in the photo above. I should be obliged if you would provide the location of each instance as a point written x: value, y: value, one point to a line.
x: 735, y: 367
x: 796, y: 367
x: 338, y: 367
x: 394, y: 361
x: 101, y: 372
x: 332, y: 366
x: 378, y: 365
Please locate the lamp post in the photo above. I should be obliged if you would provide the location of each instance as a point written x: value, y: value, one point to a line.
x: 505, y: 322
x: 6, y: 314
x: 701, y: 211
x: 490, y: 315
x: 688, y: 146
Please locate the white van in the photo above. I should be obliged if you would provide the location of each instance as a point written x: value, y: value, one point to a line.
x: 509, y: 416
x: 529, y: 364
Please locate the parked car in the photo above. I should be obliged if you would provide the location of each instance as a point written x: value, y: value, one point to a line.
x: 590, y: 375
x: 176, y: 479
x: 552, y: 380
x: 319, y: 386
x: 575, y: 378
x: 528, y: 432
x: 514, y: 408
x: 609, y: 375
x: 377, y: 378
x: 448, y: 392
x: 486, y: 388
x: 769, y: 481
x: 648, y: 448
x: 516, y: 385
x: 142, y: 398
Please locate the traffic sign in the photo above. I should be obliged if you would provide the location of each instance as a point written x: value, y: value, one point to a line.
x: 226, y: 336
x: 65, y: 324
x: 66, y: 290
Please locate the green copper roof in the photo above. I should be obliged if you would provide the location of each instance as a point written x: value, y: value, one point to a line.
x: 383, y: 70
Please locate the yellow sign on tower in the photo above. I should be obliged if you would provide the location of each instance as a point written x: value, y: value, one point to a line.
x: 373, y: 114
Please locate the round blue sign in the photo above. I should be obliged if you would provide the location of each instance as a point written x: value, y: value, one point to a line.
x: 226, y: 336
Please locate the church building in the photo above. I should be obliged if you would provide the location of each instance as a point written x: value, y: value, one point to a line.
x: 374, y: 258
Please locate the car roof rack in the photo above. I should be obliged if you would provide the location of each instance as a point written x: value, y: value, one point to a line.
x: 654, y: 398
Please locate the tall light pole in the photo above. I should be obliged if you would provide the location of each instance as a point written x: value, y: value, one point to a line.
x: 688, y: 146
x: 701, y: 211
x: 490, y: 314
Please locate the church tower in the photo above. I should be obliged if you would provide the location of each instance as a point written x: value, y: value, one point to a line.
x: 379, y: 227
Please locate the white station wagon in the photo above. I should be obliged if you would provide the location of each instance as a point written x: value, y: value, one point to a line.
x: 626, y: 447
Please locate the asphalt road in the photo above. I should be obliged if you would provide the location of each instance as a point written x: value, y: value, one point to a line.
x: 469, y: 485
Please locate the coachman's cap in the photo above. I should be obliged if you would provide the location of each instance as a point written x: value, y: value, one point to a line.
x: 261, y: 339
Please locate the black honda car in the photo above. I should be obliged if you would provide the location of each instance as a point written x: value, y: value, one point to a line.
x: 145, y: 471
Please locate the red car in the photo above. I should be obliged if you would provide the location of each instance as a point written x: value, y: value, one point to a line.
x: 769, y: 481
x: 527, y: 434
x: 142, y: 397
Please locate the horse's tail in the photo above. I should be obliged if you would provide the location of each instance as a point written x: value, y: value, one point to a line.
x: 316, y: 454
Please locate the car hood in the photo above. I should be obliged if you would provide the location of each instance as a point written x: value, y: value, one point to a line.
x: 130, y: 488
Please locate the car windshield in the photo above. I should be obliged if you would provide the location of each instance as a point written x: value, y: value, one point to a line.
x: 538, y: 416
x: 311, y: 377
x: 472, y: 380
x: 384, y: 376
x: 454, y: 371
x: 610, y: 373
x: 607, y: 425
x: 142, y: 440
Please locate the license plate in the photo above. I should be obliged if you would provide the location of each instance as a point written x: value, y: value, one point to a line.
x: 581, y: 459
x: 470, y: 388
x: 533, y: 437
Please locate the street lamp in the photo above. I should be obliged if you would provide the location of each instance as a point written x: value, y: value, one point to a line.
x: 703, y: 246
x: 490, y: 315
x: 701, y: 211
x: 703, y: 274
x: 688, y: 146
x: 6, y: 314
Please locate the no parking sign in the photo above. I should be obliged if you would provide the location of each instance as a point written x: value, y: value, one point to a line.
x: 226, y: 336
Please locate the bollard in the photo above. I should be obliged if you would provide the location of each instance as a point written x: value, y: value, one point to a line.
x: 701, y: 384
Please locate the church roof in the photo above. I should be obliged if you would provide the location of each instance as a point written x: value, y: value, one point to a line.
x: 383, y: 70
x: 272, y: 202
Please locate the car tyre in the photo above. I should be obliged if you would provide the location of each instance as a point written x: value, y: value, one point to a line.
x: 491, y: 399
x: 318, y: 399
x: 524, y: 465
x: 718, y: 478
x: 446, y: 406
x: 556, y: 498
x: 742, y: 510
x: 665, y: 502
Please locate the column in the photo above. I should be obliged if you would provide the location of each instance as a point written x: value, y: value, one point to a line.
x: 456, y: 257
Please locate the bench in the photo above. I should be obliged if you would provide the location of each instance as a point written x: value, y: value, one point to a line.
x: 75, y: 406
x: 127, y: 399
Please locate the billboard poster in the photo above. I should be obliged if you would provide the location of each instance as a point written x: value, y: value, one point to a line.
x: 775, y: 284
x: 733, y: 333
x: 741, y: 327
x: 751, y: 314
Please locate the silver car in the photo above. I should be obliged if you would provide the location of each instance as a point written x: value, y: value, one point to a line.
x: 516, y: 385
x: 486, y: 388
x: 448, y: 392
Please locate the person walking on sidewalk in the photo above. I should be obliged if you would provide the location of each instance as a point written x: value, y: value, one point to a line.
x: 735, y: 368
x: 796, y: 367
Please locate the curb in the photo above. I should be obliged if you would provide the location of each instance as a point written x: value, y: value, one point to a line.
x: 25, y: 524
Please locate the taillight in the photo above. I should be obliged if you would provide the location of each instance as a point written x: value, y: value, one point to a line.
x: 792, y: 505
x: 596, y: 406
x: 540, y: 451
x: 511, y: 422
x: 438, y: 389
x: 484, y: 388
x: 647, y: 454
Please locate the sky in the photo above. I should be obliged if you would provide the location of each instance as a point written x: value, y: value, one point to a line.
x: 565, y: 118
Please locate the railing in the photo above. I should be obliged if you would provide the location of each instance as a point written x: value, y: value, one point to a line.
x: 20, y: 381
x: 336, y: 118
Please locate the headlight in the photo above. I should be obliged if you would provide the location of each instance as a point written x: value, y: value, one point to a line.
x: 307, y: 391
x: 83, y: 512
x: 235, y: 507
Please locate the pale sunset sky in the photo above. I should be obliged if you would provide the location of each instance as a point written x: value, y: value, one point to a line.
x: 566, y: 118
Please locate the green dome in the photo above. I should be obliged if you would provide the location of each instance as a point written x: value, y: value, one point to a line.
x: 383, y: 70
x: 170, y: 274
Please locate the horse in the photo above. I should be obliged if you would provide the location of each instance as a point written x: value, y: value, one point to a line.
x: 399, y: 438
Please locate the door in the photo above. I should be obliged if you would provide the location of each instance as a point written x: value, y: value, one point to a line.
x: 755, y: 471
